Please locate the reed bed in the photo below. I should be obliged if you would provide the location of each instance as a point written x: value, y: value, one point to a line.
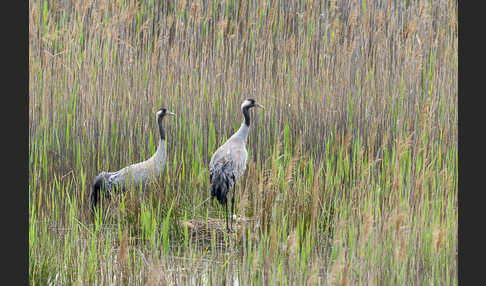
x: 352, y: 167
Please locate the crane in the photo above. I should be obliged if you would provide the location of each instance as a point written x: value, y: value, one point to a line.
x: 228, y: 162
x: 138, y: 174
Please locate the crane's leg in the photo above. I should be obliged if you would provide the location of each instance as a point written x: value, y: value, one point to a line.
x: 226, y: 211
x: 232, y: 209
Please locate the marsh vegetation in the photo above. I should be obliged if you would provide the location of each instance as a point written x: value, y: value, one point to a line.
x: 352, y: 166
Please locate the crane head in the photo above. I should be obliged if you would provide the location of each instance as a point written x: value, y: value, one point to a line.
x: 250, y: 102
x: 163, y: 112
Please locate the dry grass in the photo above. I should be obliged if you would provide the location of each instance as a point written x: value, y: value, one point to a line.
x: 352, y: 167
x: 203, y: 229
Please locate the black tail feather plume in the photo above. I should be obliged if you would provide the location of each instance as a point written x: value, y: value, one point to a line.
x: 221, y: 184
x: 98, y: 184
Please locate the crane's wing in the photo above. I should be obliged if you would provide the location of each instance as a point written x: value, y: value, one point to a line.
x: 229, y: 158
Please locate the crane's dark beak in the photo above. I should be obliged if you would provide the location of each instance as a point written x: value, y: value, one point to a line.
x: 259, y: 105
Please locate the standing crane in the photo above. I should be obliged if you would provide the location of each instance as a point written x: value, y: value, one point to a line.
x: 134, y: 175
x: 229, y: 162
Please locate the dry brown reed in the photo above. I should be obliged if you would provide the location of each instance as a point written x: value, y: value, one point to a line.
x: 357, y: 145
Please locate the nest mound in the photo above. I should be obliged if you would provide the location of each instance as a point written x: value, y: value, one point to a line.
x: 207, y: 229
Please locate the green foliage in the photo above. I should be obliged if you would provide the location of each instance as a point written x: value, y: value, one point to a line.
x: 352, y: 167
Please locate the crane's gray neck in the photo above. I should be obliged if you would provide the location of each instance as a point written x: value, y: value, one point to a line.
x: 242, y: 132
x: 244, y: 129
x: 159, y: 154
x: 161, y: 129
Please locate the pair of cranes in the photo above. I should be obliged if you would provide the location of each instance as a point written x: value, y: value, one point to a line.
x: 227, y: 165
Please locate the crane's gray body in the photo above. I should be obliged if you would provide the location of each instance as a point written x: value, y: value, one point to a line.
x: 139, y: 174
x: 135, y: 175
x: 228, y: 163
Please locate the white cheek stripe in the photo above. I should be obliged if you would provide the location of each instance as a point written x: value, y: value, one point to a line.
x: 245, y: 103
